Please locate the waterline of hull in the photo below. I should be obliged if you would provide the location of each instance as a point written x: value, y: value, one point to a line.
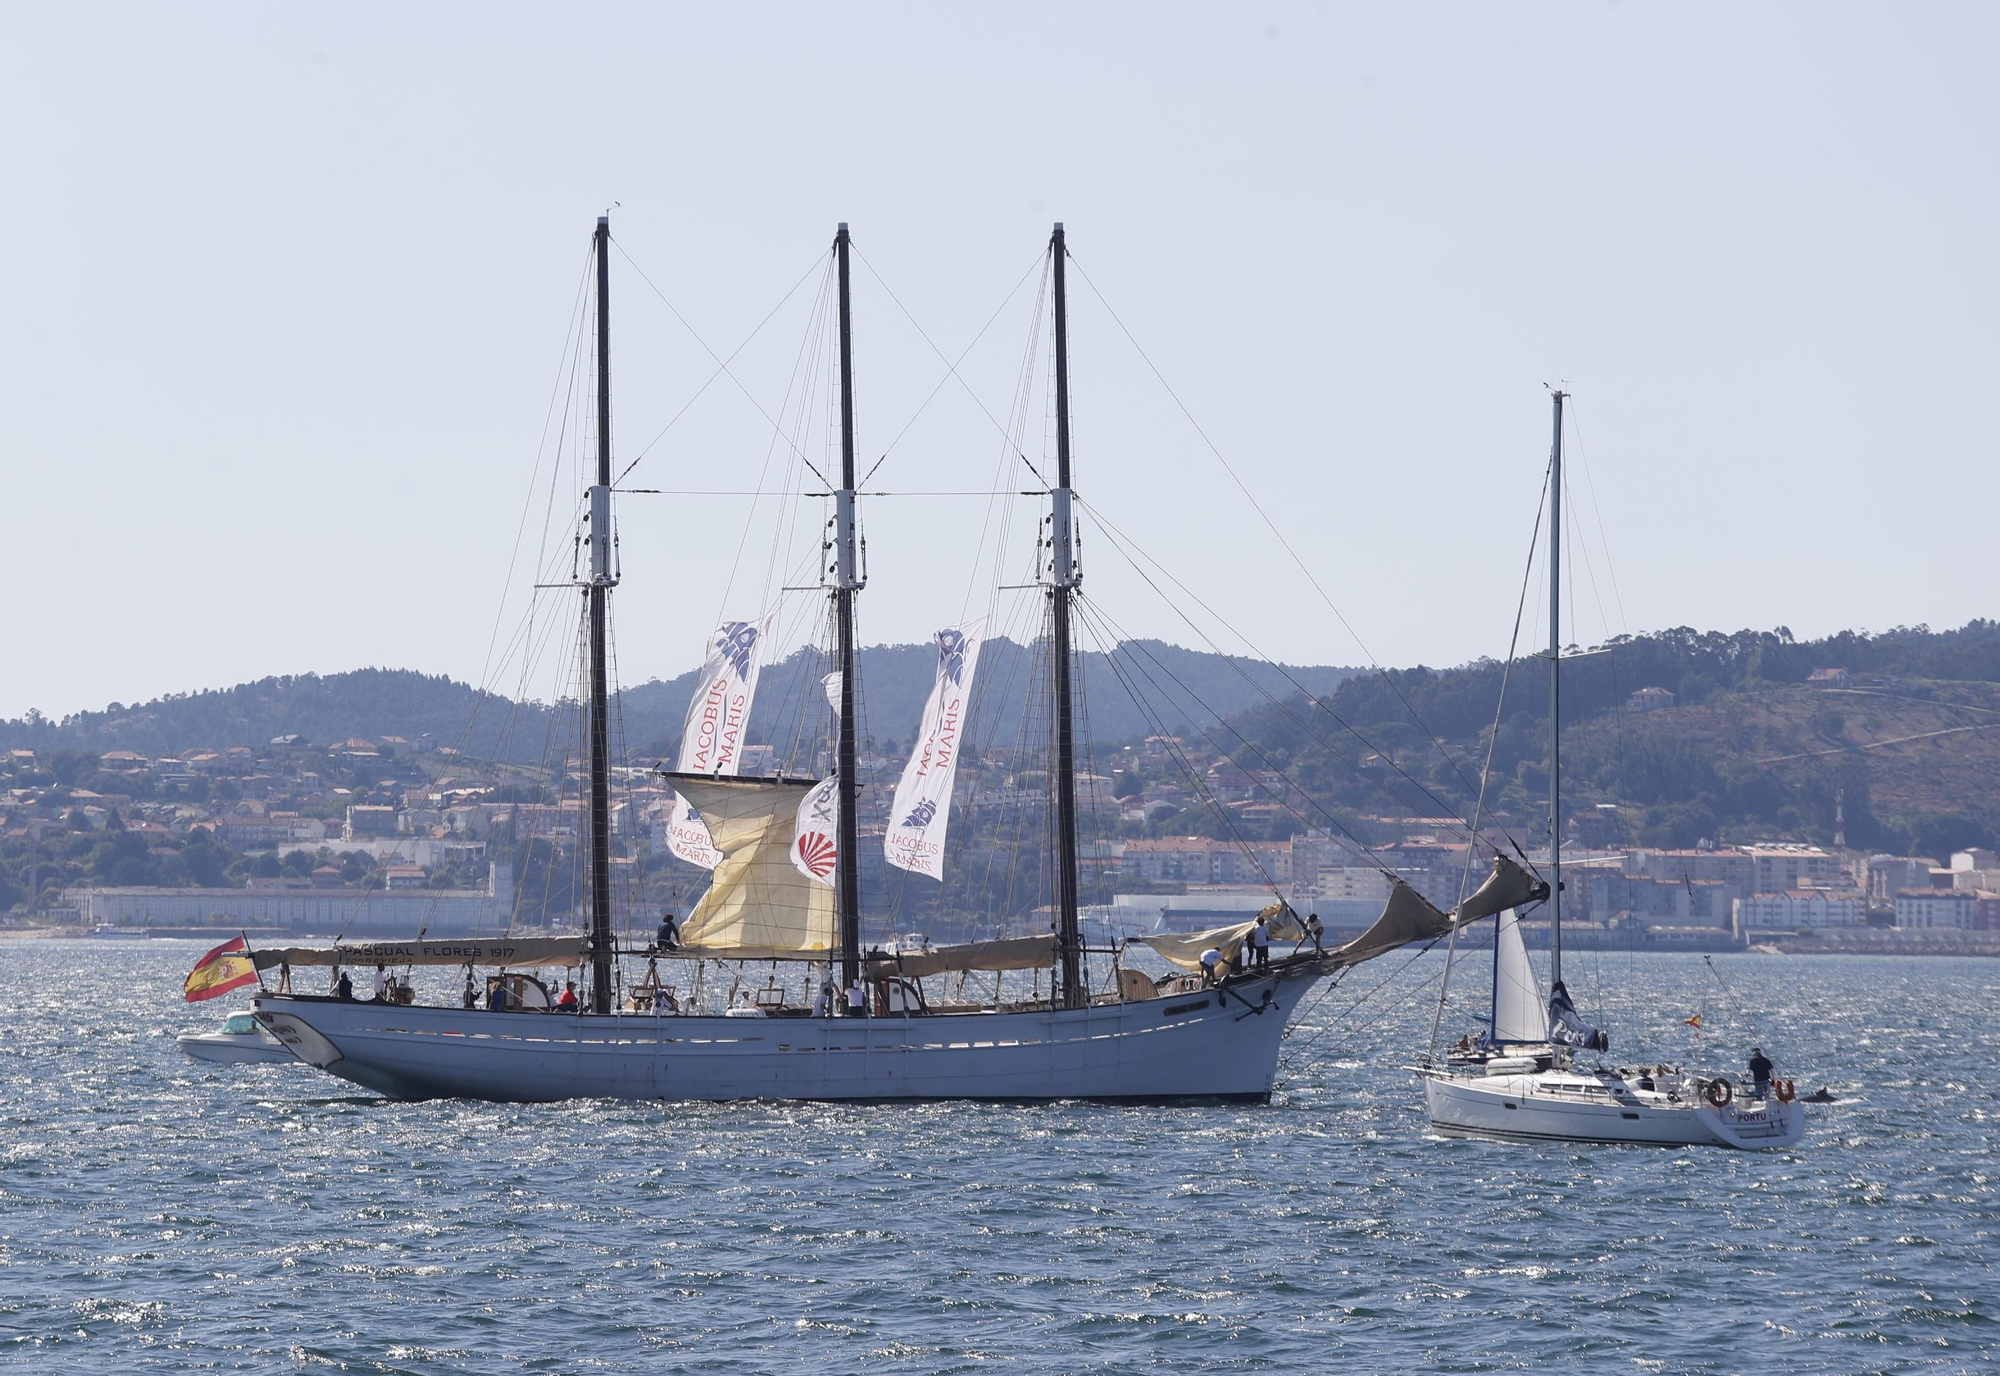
x: 1209, y: 1045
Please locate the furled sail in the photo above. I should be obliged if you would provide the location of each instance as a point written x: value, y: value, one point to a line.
x: 1567, y: 1029
x: 1408, y: 916
x: 914, y: 839
x: 713, y: 736
x: 1184, y: 948
x: 759, y: 904
x: 1517, y: 998
x: 1007, y: 953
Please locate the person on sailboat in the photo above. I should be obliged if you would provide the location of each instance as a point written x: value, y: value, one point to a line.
x: 1317, y: 932
x: 828, y: 991
x: 1211, y: 965
x: 381, y: 982
x: 669, y: 935
x: 567, y: 1003
x: 1260, y: 943
x: 1760, y: 1073
x: 857, y: 999
x: 343, y: 987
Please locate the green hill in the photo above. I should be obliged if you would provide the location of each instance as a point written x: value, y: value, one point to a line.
x: 1910, y: 743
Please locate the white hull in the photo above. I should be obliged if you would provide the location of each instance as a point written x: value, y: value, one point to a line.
x: 1204, y: 1045
x: 1570, y: 1106
x: 224, y: 1049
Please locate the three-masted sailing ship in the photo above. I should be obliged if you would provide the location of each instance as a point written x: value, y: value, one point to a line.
x: 1520, y: 1079
x: 775, y: 843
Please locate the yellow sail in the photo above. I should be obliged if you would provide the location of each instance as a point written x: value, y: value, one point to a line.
x: 758, y: 905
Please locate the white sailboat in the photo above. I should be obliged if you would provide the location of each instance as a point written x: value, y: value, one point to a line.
x: 1521, y: 1080
x: 1133, y: 1038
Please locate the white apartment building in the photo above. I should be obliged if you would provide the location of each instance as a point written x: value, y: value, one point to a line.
x: 1781, y: 867
x: 1947, y: 910
x: 1815, y: 908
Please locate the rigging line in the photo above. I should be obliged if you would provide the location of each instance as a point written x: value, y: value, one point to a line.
x: 1116, y: 536
x: 951, y: 365
x: 1093, y: 618
x: 1449, y: 758
x: 722, y: 364
x: 1438, y: 803
x: 1007, y: 466
x: 1486, y: 772
x: 814, y: 328
x: 1300, y: 1048
x: 1590, y: 485
x: 1285, y: 803
x: 541, y: 451
x: 1040, y: 256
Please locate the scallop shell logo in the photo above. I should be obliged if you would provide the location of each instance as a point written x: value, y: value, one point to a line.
x: 816, y: 852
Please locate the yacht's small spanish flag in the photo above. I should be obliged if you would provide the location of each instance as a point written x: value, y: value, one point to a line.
x: 1695, y: 1023
x: 227, y: 967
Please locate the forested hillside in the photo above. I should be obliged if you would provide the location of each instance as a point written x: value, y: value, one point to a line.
x: 895, y: 681
x: 1910, y: 743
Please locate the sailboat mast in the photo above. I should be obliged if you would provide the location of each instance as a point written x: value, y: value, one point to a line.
x: 598, y: 592
x: 847, y: 580
x: 1062, y: 583
x: 1555, y: 696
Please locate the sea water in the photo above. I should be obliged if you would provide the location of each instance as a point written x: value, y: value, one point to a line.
x: 157, y: 1214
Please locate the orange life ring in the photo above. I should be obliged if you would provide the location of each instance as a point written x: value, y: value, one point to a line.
x: 1719, y: 1093
x: 1784, y: 1090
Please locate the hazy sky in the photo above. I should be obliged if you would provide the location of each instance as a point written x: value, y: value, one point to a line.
x: 286, y: 290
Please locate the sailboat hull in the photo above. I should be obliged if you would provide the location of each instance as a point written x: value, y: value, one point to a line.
x: 1563, y: 1107
x: 1211, y: 1045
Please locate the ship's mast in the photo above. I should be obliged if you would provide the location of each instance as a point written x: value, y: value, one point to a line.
x: 598, y: 591
x: 1555, y: 695
x: 846, y: 582
x: 1063, y: 578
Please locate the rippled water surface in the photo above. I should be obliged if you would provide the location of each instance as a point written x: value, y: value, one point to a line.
x: 157, y: 1214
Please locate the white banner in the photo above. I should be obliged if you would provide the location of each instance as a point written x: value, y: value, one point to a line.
x: 713, y: 736
x: 815, y: 837
x: 918, y: 817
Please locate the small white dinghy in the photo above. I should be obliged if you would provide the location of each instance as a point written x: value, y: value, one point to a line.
x: 240, y: 1041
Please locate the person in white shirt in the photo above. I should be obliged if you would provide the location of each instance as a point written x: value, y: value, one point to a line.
x: 381, y: 983
x: 857, y: 999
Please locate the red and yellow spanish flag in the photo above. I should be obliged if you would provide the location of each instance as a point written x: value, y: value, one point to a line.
x: 1695, y: 1023
x: 227, y: 967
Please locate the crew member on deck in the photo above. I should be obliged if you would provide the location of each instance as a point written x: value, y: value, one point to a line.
x: 1317, y: 932
x: 1211, y: 965
x: 343, y: 988
x: 1760, y: 1072
x: 496, y: 997
x: 381, y: 982
x: 857, y: 999
x: 670, y: 933
x: 567, y: 1003
x: 1260, y: 942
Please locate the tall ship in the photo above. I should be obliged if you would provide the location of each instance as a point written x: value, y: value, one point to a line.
x: 855, y: 1015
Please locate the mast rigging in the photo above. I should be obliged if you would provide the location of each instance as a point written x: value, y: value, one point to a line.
x: 597, y: 593
x: 1063, y: 579
x: 847, y: 581
x: 1555, y: 695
